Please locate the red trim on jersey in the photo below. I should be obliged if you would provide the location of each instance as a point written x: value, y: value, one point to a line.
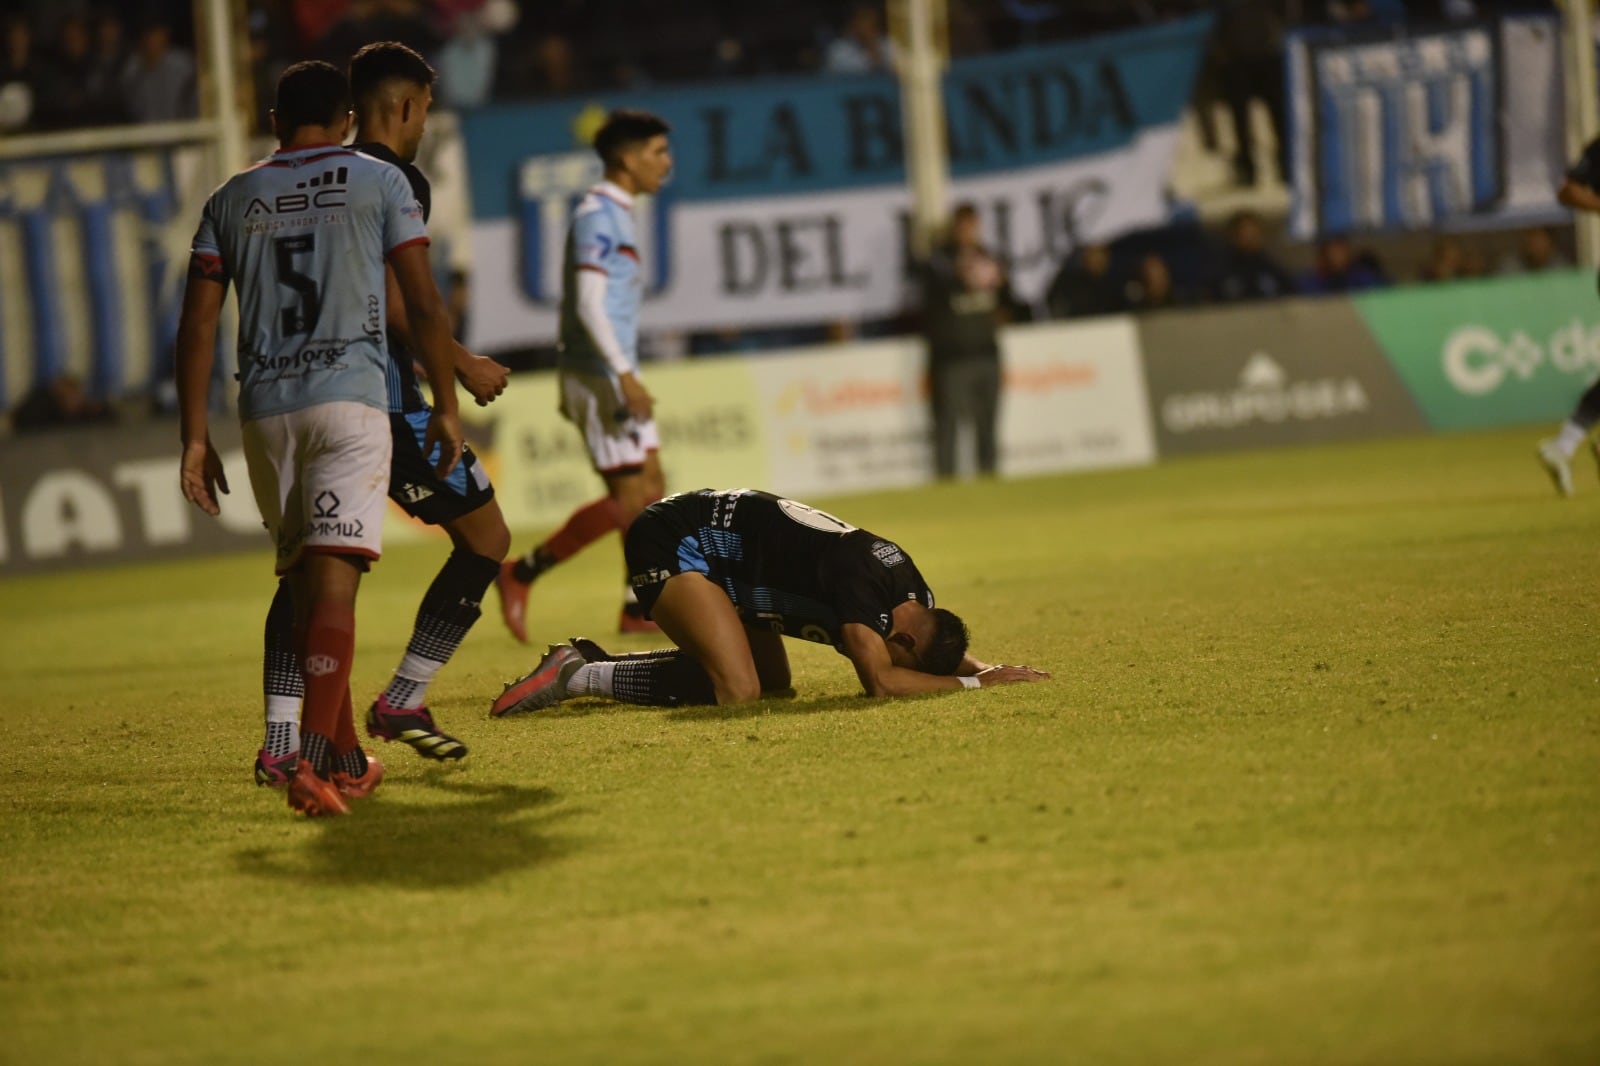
x: 367, y: 554
x: 406, y: 244
x: 308, y: 147
x: 208, y: 267
x: 630, y: 251
x: 591, y: 266
x: 601, y: 192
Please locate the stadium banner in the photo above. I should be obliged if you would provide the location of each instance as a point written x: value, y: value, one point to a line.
x: 836, y: 420
x: 1294, y: 371
x: 75, y: 497
x: 1448, y: 128
x: 789, y: 204
x: 708, y: 413
x: 1491, y: 353
x: 92, y: 254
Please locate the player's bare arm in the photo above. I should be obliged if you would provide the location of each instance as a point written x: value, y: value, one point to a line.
x: 482, y: 377
x: 879, y: 675
x: 200, y: 472
x: 1578, y: 196
x: 430, y: 330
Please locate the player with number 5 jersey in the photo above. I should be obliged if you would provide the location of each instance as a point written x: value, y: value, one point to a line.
x: 303, y: 237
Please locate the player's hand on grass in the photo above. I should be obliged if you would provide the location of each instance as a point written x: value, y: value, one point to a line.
x: 481, y: 376
x: 201, y: 475
x: 636, y: 398
x: 1009, y: 675
x: 444, y: 429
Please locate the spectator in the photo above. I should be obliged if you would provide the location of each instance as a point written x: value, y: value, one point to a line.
x: 862, y: 47
x: 1536, y: 253
x: 1248, y: 272
x: 1151, y: 289
x: 59, y: 402
x: 108, y: 60
x: 1340, y: 268
x: 1367, y: 12
x: 21, y: 75
x: 966, y: 296
x: 1249, y: 54
x: 1447, y: 261
x: 158, y: 82
x: 546, y: 66
x: 1084, y: 285
x: 366, y: 21
x: 70, y: 94
x: 466, y: 64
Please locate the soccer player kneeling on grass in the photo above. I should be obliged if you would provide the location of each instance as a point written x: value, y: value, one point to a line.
x: 727, y: 575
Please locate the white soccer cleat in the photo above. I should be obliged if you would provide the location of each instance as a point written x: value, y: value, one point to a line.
x: 1558, y: 465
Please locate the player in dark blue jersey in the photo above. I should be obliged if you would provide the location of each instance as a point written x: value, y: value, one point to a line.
x: 392, y: 90
x: 306, y: 237
x: 1581, y: 192
x: 728, y: 574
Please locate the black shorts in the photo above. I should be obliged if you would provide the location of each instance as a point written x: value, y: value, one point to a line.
x: 664, y: 541
x: 419, y: 491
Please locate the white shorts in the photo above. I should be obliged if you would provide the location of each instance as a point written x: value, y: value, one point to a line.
x: 618, y: 443
x: 321, y: 479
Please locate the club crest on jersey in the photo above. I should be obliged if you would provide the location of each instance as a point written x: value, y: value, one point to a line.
x: 549, y: 189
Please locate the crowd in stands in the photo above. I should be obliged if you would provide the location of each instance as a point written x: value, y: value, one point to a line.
x: 66, y: 65
x: 1188, y: 267
x: 72, y: 63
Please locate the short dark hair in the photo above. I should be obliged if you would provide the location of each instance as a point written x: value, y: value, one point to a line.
x: 383, y: 61
x: 623, y: 128
x: 312, y: 93
x: 965, y: 209
x: 948, y: 648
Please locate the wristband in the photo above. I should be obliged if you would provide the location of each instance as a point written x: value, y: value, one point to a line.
x: 969, y: 681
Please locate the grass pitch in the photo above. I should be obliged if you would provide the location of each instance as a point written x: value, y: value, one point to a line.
x: 1318, y: 780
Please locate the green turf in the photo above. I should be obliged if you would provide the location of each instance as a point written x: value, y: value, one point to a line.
x: 1318, y: 780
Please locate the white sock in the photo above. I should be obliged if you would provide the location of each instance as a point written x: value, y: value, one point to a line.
x: 283, y: 724
x: 1571, y: 438
x: 408, y: 689
x: 591, y: 679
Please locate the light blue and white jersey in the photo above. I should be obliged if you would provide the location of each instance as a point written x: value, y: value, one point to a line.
x: 602, y: 238
x: 303, y: 235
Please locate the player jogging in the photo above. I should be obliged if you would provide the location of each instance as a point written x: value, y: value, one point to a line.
x: 1581, y: 192
x: 600, y: 389
x: 392, y: 88
x: 303, y: 236
x: 728, y: 574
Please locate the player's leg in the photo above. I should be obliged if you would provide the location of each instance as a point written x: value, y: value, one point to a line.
x: 699, y: 618
x: 712, y: 664
x: 771, y: 659
x: 282, y: 688
x: 464, y: 506
x: 342, y: 452
x: 633, y: 492
x: 1556, y: 452
x: 588, y: 403
x: 944, y: 405
x: 325, y: 600
x: 985, y: 405
x: 269, y: 451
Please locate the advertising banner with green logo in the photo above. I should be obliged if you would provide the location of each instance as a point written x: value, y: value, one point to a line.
x: 1491, y: 353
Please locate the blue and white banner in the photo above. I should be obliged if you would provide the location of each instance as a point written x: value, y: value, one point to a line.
x: 87, y: 281
x: 789, y: 202
x: 1444, y: 129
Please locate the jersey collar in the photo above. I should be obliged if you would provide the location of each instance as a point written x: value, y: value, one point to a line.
x: 612, y: 191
